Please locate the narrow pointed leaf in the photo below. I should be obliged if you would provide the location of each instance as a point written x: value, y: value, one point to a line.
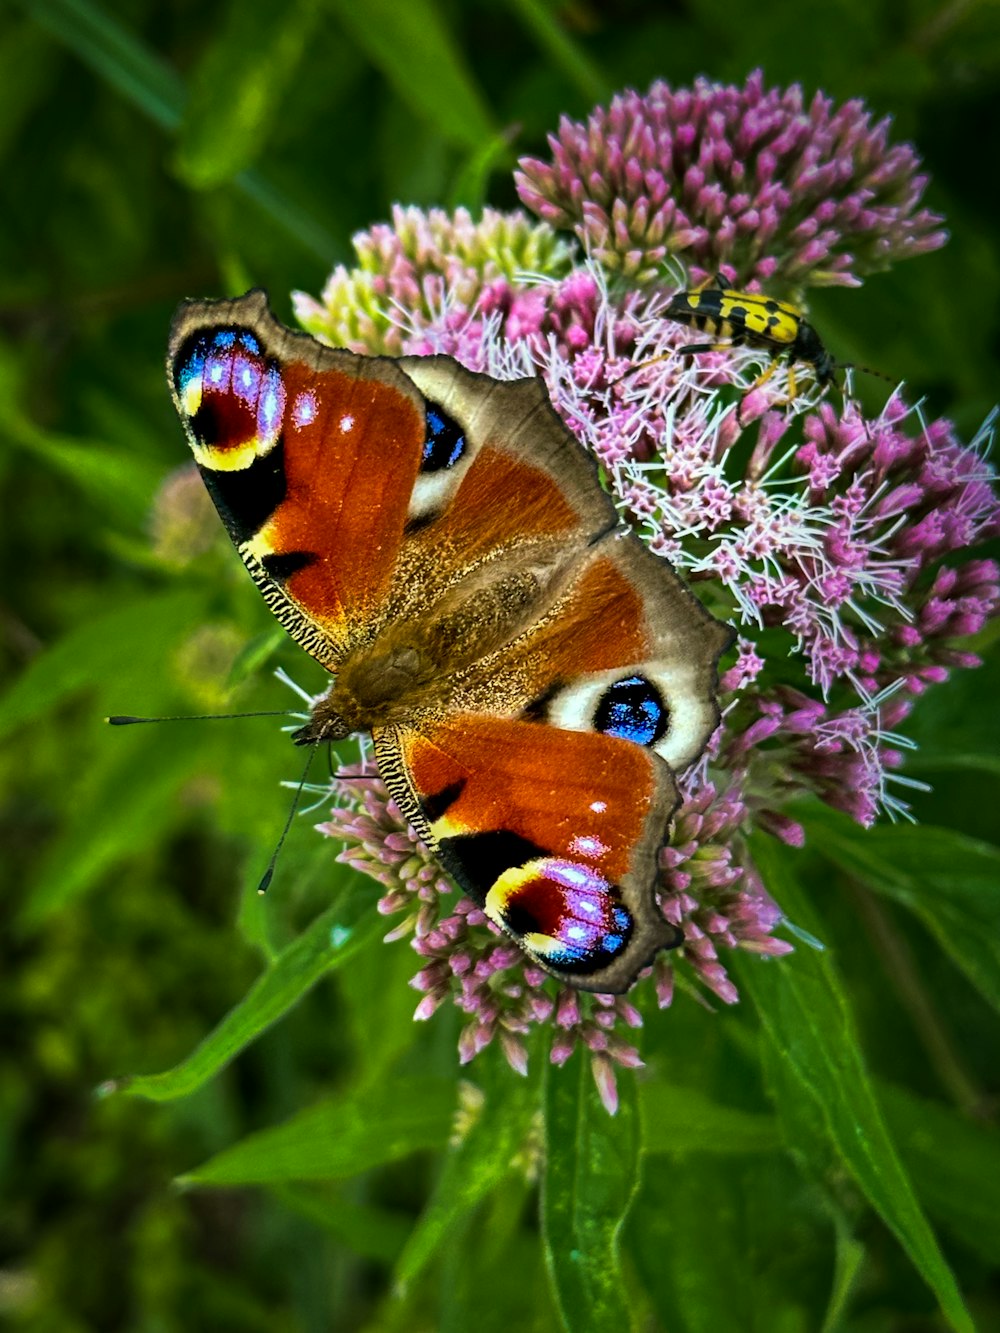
x: 824, y: 1094
x: 483, y: 1157
x: 340, y: 1136
x: 27, y: 68
x: 116, y: 483
x: 236, y: 90
x: 544, y: 22
x: 712, y: 1239
x: 955, y: 1164
x: 949, y: 881
x: 414, y: 49
x: 334, y: 937
x: 363, y: 1228
x: 681, y: 1119
x: 116, y: 55
x: 127, y: 800
x: 591, y: 1176
x: 120, y: 649
x: 144, y: 79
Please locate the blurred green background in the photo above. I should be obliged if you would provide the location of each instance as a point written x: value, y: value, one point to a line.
x: 154, y: 151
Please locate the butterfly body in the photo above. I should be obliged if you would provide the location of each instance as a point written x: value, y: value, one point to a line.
x: 420, y: 665
x: 531, y: 675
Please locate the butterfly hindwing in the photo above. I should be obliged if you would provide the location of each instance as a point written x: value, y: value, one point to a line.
x: 622, y: 639
x: 553, y: 834
x: 548, y: 791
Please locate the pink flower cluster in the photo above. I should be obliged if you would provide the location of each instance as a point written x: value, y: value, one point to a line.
x: 837, y: 542
x: 748, y: 181
x: 422, y: 265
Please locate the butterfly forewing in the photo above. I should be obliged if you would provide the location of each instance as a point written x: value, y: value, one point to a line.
x: 309, y: 454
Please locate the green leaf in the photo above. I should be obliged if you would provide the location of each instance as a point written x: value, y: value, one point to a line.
x: 824, y: 1095
x: 955, y: 1165
x: 27, y: 67
x: 976, y: 760
x: 255, y: 654
x: 146, y: 81
x: 237, y: 89
x: 564, y: 54
x: 378, y: 1004
x: 373, y: 1232
x: 470, y: 188
x: 116, y: 55
x: 848, y: 1259
x: 413, y: 48
x: 591, y: 1176
x: 126, y: 800
x: 499, y: 1239
x: 123, y: 650
x: 334, y: 937
x: 952, y: 727
x: 725, y: 1245
x: 496, y: 1130
x: 951, y: 882
x: 818, y: 1161
x: 681, y: 1119
x: 340, y: 1136
x: 117, y: 483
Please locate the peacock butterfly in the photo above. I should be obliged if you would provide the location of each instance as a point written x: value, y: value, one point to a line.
x: 532, y: 676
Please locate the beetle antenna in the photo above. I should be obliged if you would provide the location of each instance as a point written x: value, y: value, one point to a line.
x: 866, y: 370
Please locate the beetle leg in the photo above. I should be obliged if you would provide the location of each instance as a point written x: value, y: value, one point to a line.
x: 689, y: 349
x: 766, y: 374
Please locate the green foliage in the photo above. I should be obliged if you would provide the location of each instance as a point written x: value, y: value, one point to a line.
x: 338, y: 1137
x: 591, y: 1175
x: 817, y: 1079
x: 332, y: 940
x: 948, y: 881
x: 822, y: 1157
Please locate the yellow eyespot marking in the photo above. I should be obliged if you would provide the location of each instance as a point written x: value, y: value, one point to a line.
x: 191, y: 396
x: 229, y: 457
x: 505, y: 887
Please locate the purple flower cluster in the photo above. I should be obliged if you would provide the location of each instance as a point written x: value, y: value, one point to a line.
x: 719, y: 902
x: 827, y: 536
x: 746, y: 181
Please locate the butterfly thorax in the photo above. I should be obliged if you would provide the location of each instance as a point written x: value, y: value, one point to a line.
x: 382, y: 687
x: 415, y: 666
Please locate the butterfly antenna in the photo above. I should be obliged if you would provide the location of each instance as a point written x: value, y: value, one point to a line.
x: 265, y: 879
x: 127, y: 720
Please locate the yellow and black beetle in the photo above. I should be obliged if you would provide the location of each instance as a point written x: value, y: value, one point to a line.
x: 752, y: 319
